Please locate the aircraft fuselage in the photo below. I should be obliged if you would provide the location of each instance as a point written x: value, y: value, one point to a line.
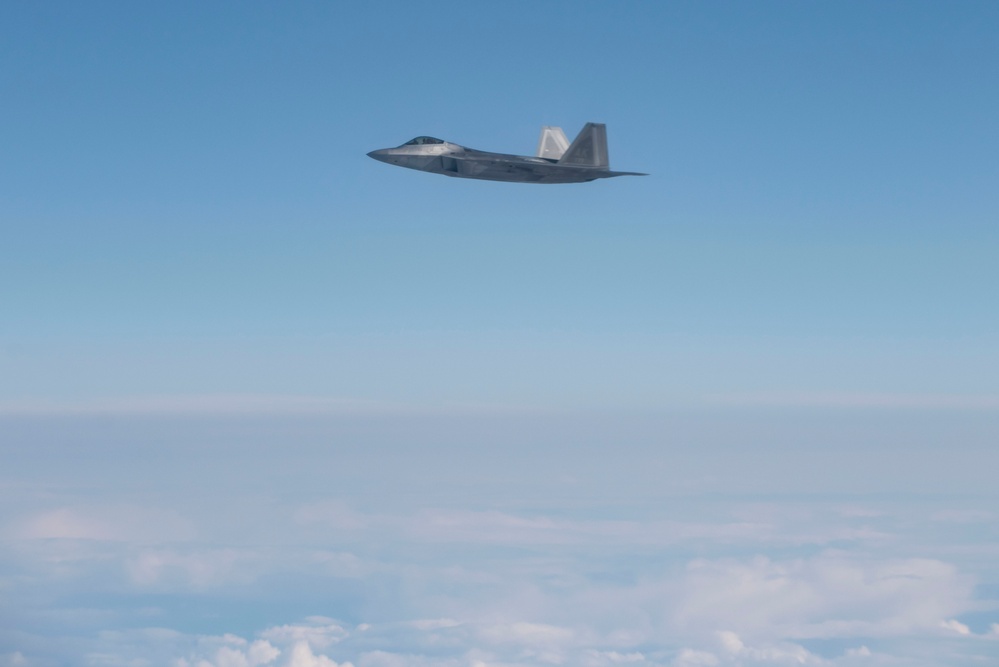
x: 442, y: 157
x: 454, y: 160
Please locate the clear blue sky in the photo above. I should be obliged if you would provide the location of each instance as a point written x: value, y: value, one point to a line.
x: 185, y: 181
x: 800, y: 298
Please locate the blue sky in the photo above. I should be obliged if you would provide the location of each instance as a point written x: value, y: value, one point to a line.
x: 265, y: 401
x: 188, y: 182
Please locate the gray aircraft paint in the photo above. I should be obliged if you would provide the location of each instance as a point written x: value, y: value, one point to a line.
x: 557, y: 161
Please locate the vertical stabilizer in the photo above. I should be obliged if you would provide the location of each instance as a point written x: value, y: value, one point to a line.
x: 589, y: 148
x: 553, y: 143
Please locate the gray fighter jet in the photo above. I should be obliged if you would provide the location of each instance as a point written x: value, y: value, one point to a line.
x: 556, y: 162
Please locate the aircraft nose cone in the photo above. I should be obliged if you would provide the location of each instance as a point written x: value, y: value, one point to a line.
x: 381, y: 154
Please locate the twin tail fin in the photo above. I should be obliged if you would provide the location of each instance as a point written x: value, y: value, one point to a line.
x: 553, y: 143
x: 589, y: 148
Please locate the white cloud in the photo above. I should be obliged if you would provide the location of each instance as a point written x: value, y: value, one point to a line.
x: 693, y: 658
x: 831, y: 595
x: 494, y: 527
x: 198, y: 569
x: 116, y: 524
x: 235, y: 652
x: 390, y: 659
x: 319, y: 632
x: 301, y: 655
x: 231, y: 657
x: 731, y: 642
x: 279, y: 646
x: 597, y: 611
x: 612, y: 657
x: 261, y: 653
x: 732, y: 651
x: 540, y: 642
x: 434, y: 623
x: 15, y: 659
x: 955, y: 627
x: 771, y: 654
x: 535, y: 635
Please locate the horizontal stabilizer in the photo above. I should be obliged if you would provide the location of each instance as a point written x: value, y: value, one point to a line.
x: 553, y: 143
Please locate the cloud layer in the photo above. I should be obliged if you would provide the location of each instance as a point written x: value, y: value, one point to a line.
x: 254, y: 542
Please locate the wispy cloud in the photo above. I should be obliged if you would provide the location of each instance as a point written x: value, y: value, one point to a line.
x: 248, y: 405
x: 318, y: 631
x: 831, y: 595
x: 122, y: 523
x: 198, y: 569
x: 871, y: 400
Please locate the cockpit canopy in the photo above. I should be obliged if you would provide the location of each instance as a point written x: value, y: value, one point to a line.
x: 422, y: 141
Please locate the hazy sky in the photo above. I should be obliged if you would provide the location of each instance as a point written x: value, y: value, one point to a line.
x: 265, y: 402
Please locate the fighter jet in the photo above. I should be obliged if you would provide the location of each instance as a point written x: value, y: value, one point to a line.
x: 556, y: 161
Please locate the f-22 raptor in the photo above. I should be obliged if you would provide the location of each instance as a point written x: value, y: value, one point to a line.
x: 557, y: 161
